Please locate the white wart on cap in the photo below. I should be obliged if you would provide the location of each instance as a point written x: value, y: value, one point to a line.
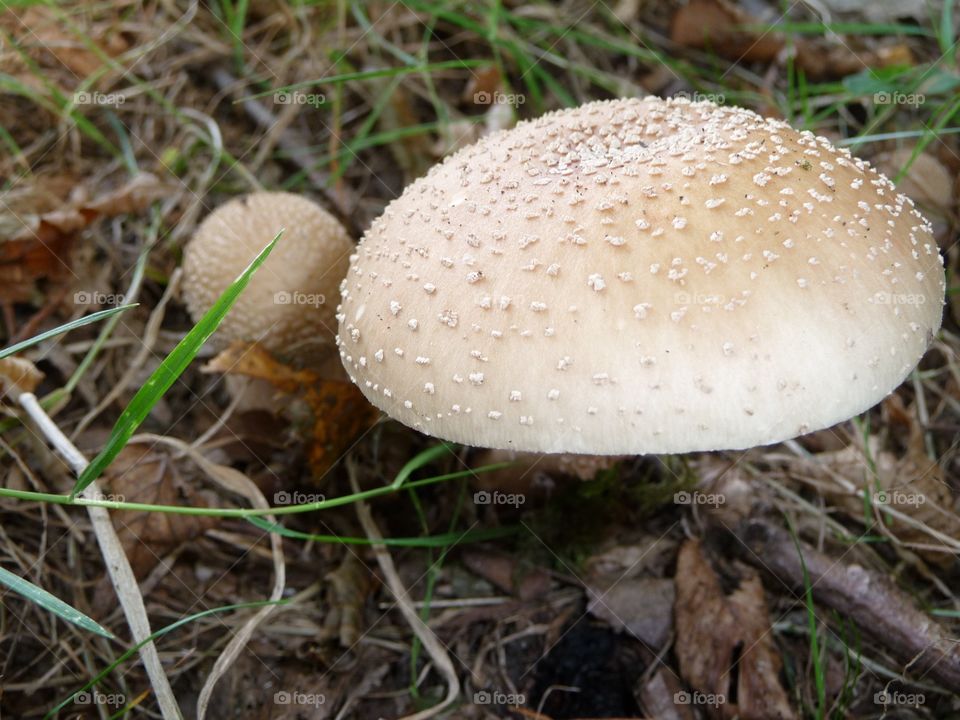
x: 289, y: 304
x: 640, y: 276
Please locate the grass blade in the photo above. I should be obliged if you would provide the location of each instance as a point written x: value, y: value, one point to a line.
x: 419, y: 460
x: 169, y: 370
x: 67, y: 327
x: 39, y: 596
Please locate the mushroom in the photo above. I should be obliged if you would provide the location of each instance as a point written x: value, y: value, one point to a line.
x: 640, y: 276
x: 288, y: 306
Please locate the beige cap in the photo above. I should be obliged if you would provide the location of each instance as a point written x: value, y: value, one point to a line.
x: 640, y: 276
x: 289, y: 305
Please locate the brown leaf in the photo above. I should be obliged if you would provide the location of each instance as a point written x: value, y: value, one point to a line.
x: 338, y: 411
x: 711, y: 628
x: 658, y: 696
x: 18, y: 375
x: 719, y: 26
x: 642, y: 607
x: 35, y: 242
x: 508, y: 574
x: 350, y: 584
x: 715, y: 25
x: 144, y: 474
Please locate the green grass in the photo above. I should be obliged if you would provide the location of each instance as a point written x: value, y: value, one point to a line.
x: 167, y: 373
x: 42, y: 598
x: 65, y: 328
x: 554, y: 61
x: 817, y: 658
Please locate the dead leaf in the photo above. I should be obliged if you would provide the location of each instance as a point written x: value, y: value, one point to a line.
x: 350, y: 584
x: 642, y: 607
x: 508, y: 574
x: 18, y: 375
x: 337, y: 411
x: 648, y: 554
x: 724, y: 645
x: 658, y: 697
x: 483, y: 83
x: 50, y: 44
x: 716, y: 25
x: 723, y: 28
x: 145, y: 474
x: 36, y: 241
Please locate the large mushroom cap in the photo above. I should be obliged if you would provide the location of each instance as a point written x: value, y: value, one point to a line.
x: 640, y: 276
x: 289, y: 304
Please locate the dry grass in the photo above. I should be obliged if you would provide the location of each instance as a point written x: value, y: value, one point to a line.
x: 185, y: 92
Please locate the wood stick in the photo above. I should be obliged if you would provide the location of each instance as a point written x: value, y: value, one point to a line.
x: 871, y: 600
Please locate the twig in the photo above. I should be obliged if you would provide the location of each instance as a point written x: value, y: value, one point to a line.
x: 874, y: 603
x: 118, y: 566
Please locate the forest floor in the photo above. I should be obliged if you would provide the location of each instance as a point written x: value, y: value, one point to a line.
x: 668, y: 588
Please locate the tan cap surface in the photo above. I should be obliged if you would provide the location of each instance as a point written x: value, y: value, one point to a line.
x: 640, y: 276
x: 290, y: 303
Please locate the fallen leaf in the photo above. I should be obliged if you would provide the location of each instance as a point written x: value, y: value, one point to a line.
x: 482, y: 84
x: 508, y: 574
x: 337, y: 412
x: 144, y: 474
x: 18, y: 375
x: 720, y: 27
x: 724, y: 644
x: 35, y: 242
x: 350, y: 584
x: 716, y: 25
x: 50, y: 44
x: 642, y: 607
x: 658, y: 697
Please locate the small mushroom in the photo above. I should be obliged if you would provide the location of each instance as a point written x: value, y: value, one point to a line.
x: 289, y: 304
x: 640, y: 276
